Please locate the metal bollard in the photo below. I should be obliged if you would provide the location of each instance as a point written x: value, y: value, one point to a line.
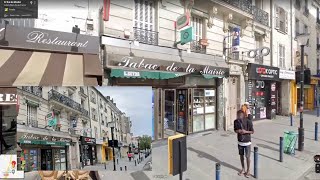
x: 218, y: 167
x: 135, y: 162
x: 318, y: 111
x: 125, y: 168
x: 120, y: 168
x: 255, y: 162
x: 105, y: 165
x: 281, y: 149
x: 117, y: 161
x: 291, y: 119
x: 316, y: 131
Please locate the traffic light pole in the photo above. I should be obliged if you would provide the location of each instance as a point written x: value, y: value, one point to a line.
x: 301, y: 129
x: 113, y: 154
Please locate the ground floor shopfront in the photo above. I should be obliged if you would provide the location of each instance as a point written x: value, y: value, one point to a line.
x: 88, y: 151
x: 42, y: 152
x: 262, y: 92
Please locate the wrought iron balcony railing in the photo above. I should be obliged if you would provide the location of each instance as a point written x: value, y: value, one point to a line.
x: 245, y: 5
x: 260, y: 16
x: 196, y: 47
x: 145, y: 36
x: 32, y: 123
x: 306, y: 11
x: 35, y: 90
x: 56, y: 96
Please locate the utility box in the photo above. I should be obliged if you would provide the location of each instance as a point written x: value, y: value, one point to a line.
x: 177, y: 154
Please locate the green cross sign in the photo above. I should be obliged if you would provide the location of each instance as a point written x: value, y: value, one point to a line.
x: 186, y: 35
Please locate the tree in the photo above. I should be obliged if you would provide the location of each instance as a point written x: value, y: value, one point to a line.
x: 145, y: 142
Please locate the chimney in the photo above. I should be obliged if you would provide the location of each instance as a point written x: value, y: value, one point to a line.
x: 108, y: 97
x: 115, y: 104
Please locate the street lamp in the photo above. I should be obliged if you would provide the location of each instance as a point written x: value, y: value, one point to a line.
x: 112, y: 125
x: 301, y: 129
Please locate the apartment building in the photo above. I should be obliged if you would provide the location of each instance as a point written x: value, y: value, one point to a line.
x: 64, y: 127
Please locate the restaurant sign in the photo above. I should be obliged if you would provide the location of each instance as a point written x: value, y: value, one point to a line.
x: 8, y: 96
x: 29, y: 138
x: 41, y: 39
x: 140, y: 63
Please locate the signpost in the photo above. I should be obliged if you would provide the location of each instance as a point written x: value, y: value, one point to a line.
x: 177, y: 148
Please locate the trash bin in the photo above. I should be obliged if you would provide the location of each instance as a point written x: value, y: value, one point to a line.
x: 289, y: 142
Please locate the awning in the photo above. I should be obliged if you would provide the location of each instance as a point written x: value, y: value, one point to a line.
x: 38, y: 68
x: 42, y: 142
x: 123, y: 73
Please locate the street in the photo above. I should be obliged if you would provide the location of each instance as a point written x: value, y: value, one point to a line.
x: 207, y: 148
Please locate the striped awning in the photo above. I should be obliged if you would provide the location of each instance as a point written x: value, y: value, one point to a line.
x: 38, y: 68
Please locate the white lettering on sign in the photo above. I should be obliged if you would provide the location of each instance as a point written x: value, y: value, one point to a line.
x: 131, y: 74
x: 43, y: 38
x: 28, y: 136
x: 126, y: 62
x: 8, y: 98
x: 207, y: 70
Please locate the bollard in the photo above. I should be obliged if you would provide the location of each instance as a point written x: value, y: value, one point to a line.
x: 125, y: 168
x: 135, y: 162
x: 255, y: 162
x: 291, y: 120
x: 281, y: 149
x: 316, y: 131
x: 318, y: 111
x: 117, y: 161
x: 105, y: 165
x: 120, y: 168
x: 218, y: 166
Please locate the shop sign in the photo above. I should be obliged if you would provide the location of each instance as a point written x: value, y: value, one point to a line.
x: 182, y: 21
x: 87, y: 140
x: 261, y: 72
x: 34, y: 38
x: 8, y: 98
x: 169, y: 66
x: 236, y: 39
x: 187, y: 35
x: 285, y: 74
x: 29, y: 138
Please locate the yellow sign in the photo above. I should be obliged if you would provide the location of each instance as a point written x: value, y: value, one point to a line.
x: 170, y: 151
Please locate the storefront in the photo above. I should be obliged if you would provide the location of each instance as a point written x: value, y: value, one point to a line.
x: 39, y: 57
x: 187, y: 87
x: 88, y: 151
x: 262, y: 90
x: 42, y: 152
x: 286, y: 94
x: 8, y: 119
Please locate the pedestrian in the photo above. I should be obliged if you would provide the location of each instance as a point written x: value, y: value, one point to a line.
x: 244, y: 128
x: 246, y: 109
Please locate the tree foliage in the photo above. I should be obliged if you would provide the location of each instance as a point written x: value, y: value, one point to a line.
x: 145, y: 142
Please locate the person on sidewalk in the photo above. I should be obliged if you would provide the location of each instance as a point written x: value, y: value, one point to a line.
x: 246, y: 109
x: 244, y: 128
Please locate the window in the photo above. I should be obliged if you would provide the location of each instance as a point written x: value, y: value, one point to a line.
x: 59, y: 159
x: 297, y: 27
x: 281, y: 19
x: 32, y: 116
x: 94, y: 114
x: 30, y: 23
x: 95, y: 132
x: 298, y: 4
x: 282, y: 53
x: 197, y: 25
x: 93, y: 97
x: 258, y: 44
x: 144, y: 22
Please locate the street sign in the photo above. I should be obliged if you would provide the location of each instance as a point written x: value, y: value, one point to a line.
x: 182, y: 21
x: 186, y: 35
x: 177, y: 148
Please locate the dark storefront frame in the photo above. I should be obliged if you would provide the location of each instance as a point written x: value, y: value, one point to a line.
x: 88, y: 150
x: 262, y: 90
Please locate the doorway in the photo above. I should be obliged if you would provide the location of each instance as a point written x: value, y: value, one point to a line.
x: 234, y: 99
x: 46, y: 159
x: 169, y: 112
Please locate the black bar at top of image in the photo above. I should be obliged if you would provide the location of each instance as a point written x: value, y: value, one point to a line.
x: 19, y: 9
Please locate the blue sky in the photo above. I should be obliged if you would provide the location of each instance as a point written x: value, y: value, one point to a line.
x: 136, y: 102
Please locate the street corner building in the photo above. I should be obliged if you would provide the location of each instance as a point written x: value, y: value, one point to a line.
x: 64, y: 128
x: 39, y: 57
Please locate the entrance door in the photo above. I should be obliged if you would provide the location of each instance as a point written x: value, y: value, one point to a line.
x: 46, y: 159
x: 169, y: 123
x: 182, y: 111
x: 234, y: 99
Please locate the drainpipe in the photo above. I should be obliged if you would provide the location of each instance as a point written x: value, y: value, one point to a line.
x: 271, y: 33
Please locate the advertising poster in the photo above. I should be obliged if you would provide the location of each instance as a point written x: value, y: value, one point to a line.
x: 236, y: 39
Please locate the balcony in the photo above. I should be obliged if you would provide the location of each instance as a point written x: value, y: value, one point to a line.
x: 196, y: 47
x: 35, y: 90
x: 145, y: 36
x: 245, y: 5
x: 260, y: 16
x: 56, y: 96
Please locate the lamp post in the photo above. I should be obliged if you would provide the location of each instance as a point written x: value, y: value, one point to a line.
x: 139, y: 147
x: 111, y: 125
x: 301, y: 129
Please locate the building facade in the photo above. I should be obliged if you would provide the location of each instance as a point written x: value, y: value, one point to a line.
x: 63, y: 128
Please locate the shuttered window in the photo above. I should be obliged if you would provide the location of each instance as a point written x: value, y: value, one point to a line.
x: 32, y: 116
x: 282, y: 52
x: 281, y: 18
x: 144, y: 14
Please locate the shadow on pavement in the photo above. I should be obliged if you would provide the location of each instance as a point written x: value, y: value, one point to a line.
x: 212, y: 158
x: 267, y: 147
x: 268, y: 157
x: 265, y: 141
x: 139, y: 175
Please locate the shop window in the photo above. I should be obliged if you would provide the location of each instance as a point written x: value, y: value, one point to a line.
x: 282, y: 59
x: 59, y: 159
x: 32, y: 120
x: 29, y: 160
